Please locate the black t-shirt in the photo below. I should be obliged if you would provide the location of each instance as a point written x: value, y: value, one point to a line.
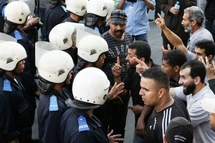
x: 70, y: 128
x: 158, y: 121
x: 132, y: 83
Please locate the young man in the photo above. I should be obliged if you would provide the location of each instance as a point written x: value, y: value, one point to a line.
x: 55, y: 72
x: 155, y: 92
x: 193, y: 90
x: 137, y: 50
x: 15, y: 126
x: 171, y: 63
x: 78, y: 124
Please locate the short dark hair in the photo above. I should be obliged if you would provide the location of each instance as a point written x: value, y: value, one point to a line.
x: 197, y: 68
x: 143, y: 49
x: 175, y: 58
x: 207, y: 45
x: 158, y: 75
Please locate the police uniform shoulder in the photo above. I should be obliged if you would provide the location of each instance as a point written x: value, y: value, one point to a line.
x: 64, y: 8
x: 7, y: 85
x: 82, y: 124
x: 17, y: 35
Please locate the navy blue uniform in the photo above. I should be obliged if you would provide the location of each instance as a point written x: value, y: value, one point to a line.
x: 2, y: 8
x: 49, y: 121
x: 54, y: 16
x: 14, y: 115
x: 88, y: 130
x: 27, y: 75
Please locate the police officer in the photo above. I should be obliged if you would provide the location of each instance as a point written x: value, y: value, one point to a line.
x: 16, y: 14
x: 55, y: 72
x: 77, y: 9
x: 14, y: 116
x: 91, y: 52
x: 78, y: 124
x: 97, y: 11
x: 62, y: 35
x: 55, y: 13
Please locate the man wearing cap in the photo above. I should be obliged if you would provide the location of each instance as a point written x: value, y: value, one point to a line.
x: 118, y: 41
x: 179, y: 130
x: 136, y: 10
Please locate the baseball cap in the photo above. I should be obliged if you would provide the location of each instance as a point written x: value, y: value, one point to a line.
x: 118, y: 17
x: 179, y: 130
x: 208, y: 104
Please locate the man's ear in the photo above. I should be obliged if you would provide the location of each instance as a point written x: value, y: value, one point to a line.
x: 210, y: 57
x: 142, y: 59
x: 176, y: 68
x: 193, y: 23
x: 161, y: 92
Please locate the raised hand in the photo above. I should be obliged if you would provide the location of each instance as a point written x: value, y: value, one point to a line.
x: 141, y: 66
x: 117, y: 68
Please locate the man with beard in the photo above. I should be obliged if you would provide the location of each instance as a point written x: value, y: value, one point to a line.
x: 118, y: 41
x: 192, y: 21
x: 138, y: 50
x: 203, y: 46
x: 193, y: 90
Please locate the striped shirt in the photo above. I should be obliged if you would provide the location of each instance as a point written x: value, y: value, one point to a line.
x: 116, y: 48
x: 158, y: 121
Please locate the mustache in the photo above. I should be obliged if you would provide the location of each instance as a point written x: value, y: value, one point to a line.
x: 119, y: 31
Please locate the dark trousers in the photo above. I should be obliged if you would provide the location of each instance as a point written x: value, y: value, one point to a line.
x: 210, y: 26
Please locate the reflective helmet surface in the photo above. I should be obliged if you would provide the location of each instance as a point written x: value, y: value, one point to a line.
x: 61, y: 35
x: 90, y: 47
x: 55, y: 65
x: 11, y: 53
x: 91, y: 85
x: 78, y: 7
x: 97, y: 7
x: 17, y: 12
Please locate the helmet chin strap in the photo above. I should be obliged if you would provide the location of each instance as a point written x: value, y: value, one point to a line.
x: 9, y: 26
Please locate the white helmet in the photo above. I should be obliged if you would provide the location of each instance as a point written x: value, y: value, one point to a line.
x: 97, y: 7
x: 90, y: 47
x: 91, y: 85
x: 55, y: 65
x: 11, y: 53
x: 6, y: 37
x: 17, y: 12
x: 30, y: 3
x: 61, y: 35
x: 78, y: 7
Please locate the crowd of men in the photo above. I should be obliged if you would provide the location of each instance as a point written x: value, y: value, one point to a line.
x: 92, y: 57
